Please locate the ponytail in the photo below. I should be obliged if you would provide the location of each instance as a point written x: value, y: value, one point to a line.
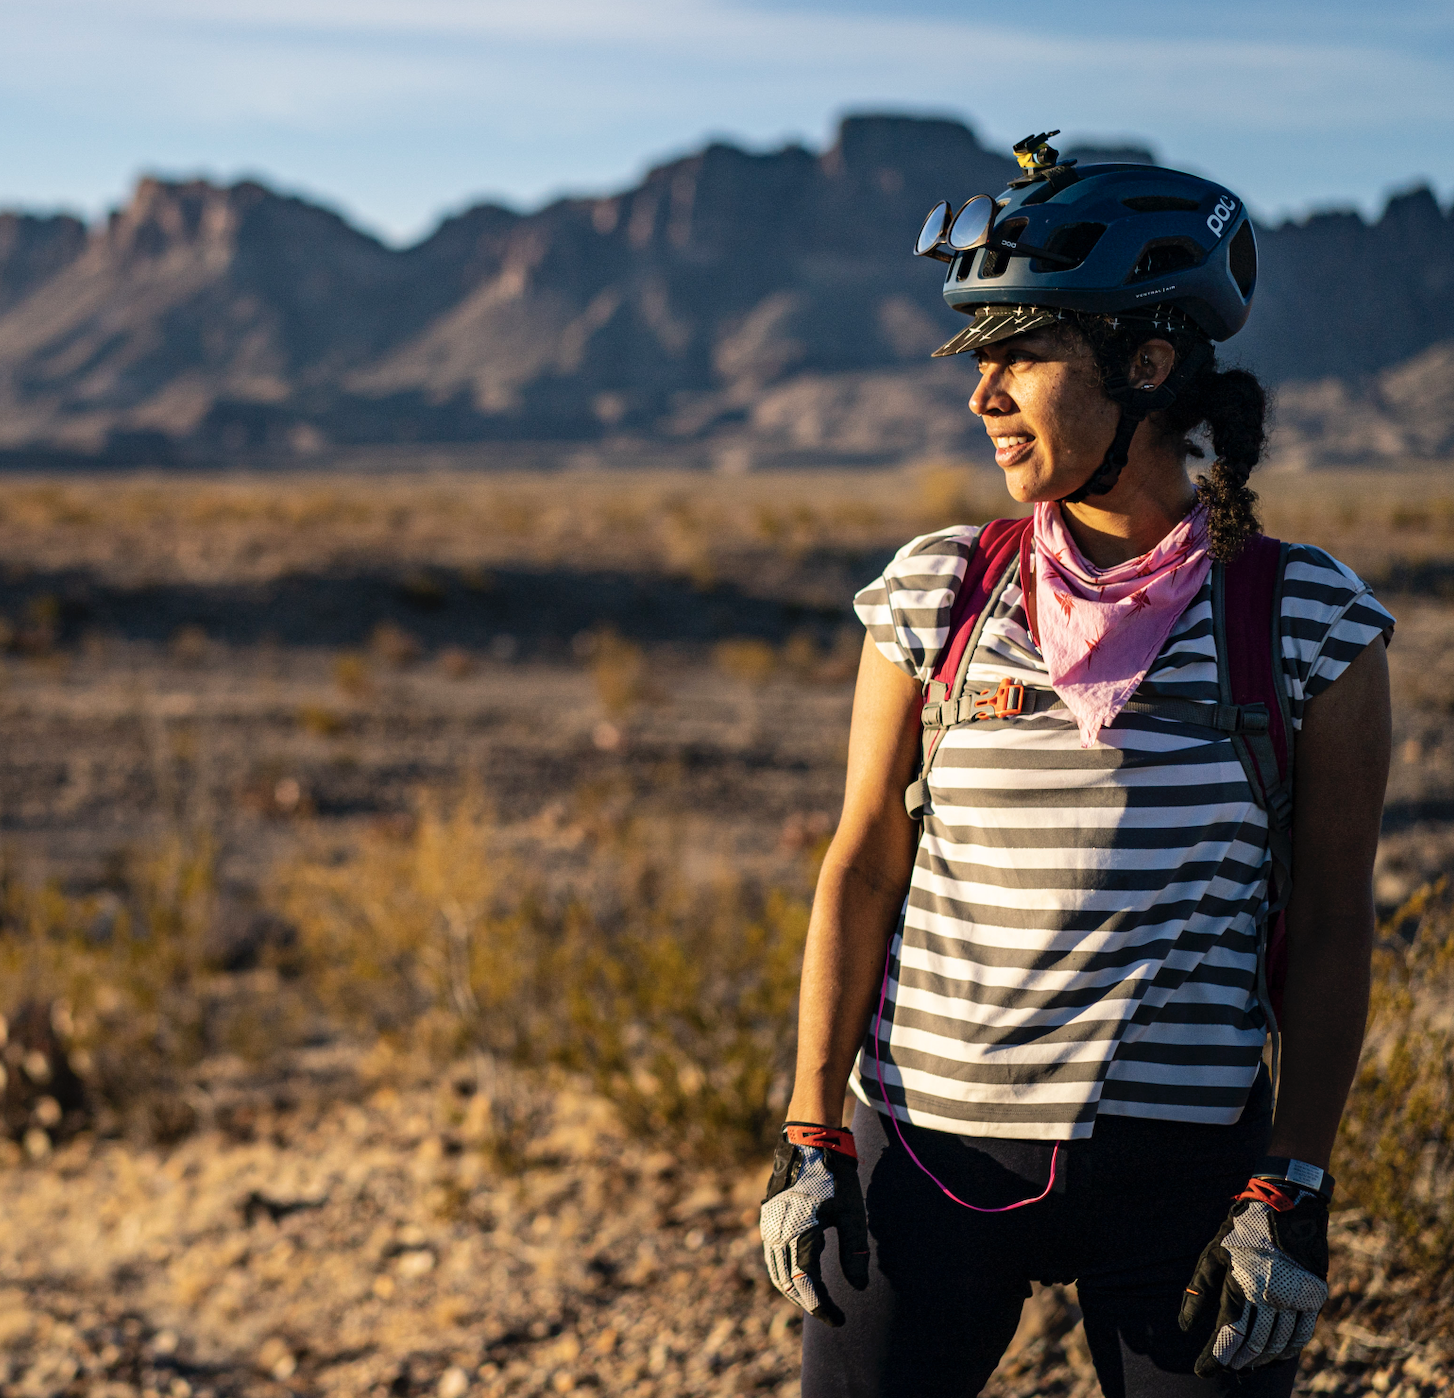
x: 1231, y: 404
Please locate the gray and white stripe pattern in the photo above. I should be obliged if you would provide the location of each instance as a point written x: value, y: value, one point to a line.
x: 1080, y: 934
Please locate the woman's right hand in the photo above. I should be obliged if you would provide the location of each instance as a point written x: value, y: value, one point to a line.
x: 814, y: 1187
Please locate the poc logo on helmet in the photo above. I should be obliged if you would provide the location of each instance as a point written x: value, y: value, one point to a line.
x: 1217, y: 219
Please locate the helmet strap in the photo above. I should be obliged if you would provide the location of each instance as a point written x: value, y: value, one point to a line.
x: 1136, y: 405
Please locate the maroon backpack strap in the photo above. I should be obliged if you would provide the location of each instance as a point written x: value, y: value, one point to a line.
x: 1252, y: 610
x: 995, y: 546
x: 1247, y: 619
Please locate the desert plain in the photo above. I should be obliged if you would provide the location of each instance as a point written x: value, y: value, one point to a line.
x: 262, y: 721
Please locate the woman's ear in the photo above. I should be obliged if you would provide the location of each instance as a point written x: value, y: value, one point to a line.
x: 1151, y: 364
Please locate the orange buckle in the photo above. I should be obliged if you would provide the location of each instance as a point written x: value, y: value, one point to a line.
x: 1008, y: 701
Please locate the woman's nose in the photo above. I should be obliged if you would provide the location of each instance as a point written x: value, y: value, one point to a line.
x: 989, y: 393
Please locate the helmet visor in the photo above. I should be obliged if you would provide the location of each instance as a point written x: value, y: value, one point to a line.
x: 992, y: 323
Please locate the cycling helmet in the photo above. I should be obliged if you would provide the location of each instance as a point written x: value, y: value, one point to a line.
x: 1129, y: 242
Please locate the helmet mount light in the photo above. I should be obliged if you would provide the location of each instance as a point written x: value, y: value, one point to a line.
x: 1035, y: 154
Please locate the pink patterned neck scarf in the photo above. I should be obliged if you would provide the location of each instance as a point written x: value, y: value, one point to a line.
x: 1101, y: 629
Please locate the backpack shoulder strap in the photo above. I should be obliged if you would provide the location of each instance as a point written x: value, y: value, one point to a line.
x: 1252, y: 632
x: 1247, y: 627
x: 996, y: 547
x: 1247, y: 622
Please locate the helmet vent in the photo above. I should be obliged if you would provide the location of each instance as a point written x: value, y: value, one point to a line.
x: 1242, y: 259
x: 1161, y: 204
x: 1163, y: 255
x: 1070, y: 240
x: 995, y: 262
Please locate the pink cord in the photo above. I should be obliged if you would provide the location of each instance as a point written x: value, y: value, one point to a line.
x: 893, y: 1117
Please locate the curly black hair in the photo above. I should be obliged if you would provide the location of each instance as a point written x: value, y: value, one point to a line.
x: 1230, y: 403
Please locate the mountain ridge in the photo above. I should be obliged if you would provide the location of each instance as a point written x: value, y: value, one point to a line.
x: 729, y: 295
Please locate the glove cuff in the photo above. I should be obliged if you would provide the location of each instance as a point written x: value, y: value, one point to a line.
x: 807, y: 1133
x: 1281, y: 1169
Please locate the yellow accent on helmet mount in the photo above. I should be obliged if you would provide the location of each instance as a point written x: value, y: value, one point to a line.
x: 1035, y: 155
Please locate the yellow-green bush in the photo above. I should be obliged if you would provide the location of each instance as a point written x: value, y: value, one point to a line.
x: 123, y: 976
x: 681, y: 1005
x: 676, y: 997
x: 1396, y: 1149
x: 621, y: 673
x: 433, y: 939
x: 746, y: 658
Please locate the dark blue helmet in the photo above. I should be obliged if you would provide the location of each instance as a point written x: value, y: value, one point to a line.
x: 1135, y: 241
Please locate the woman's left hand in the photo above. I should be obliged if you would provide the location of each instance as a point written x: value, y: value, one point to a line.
x: 1262, y: 1280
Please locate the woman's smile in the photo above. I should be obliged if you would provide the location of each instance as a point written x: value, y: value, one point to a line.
x: 1011, y: 450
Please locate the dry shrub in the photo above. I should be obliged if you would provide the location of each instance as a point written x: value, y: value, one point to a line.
x: 676, y: 997
x: 321, y: 722
x: 351, y: 675
x: 396, y: 647
x: 1403, y: 517
x: 688, y: 543
x: 430, y: 938
x: 746, y: 658
x: 1396, y: 1148
x: 191, y: 645
x: 619, y: 668
x: 682, y: 1002
x: 123, y: 980
x: 793, y: 531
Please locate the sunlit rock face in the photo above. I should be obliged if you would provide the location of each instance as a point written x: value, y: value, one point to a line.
x: 763, y: 298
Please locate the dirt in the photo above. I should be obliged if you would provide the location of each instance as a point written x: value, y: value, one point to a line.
x: 372, y: 1242
x: 374, y: 1247
x: 274, y: 676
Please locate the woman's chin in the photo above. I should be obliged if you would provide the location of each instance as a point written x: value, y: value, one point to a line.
x: 1033, y: 482
x: 1027, y: 485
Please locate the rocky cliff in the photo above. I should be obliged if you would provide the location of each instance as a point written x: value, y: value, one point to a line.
x: 762, y: 298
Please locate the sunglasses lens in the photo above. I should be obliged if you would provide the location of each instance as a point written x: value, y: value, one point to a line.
x: 932, y: 233
x: 972, y: 223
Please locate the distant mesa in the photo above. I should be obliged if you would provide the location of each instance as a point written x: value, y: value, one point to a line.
x: 735, y: 305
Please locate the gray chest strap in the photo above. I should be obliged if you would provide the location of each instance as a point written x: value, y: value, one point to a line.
x: 1246, y: 724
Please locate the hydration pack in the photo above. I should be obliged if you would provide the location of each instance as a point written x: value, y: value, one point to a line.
x: 1252, y: 708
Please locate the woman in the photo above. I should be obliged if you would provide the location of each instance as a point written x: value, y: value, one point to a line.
x: 1049, y: 993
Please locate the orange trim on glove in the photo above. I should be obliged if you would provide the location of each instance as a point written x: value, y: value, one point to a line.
x: 801, y: 1133
x: 1273, y: 1195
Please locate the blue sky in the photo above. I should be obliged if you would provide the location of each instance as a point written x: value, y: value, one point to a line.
x: 395, y: 111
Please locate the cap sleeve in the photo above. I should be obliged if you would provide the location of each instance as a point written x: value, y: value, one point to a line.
x: 1329, y: 617
x: 906, y: 610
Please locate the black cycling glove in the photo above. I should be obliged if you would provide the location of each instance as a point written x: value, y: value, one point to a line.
x: 1264, y: 1278
x: 814, y: 1186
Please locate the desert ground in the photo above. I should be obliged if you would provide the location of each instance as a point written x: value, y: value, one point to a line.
x: 254, y: 700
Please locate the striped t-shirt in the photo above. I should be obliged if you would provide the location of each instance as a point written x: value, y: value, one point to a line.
x: 1081, y: 929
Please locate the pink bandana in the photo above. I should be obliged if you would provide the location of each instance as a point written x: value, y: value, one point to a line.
x: 1100, y: 630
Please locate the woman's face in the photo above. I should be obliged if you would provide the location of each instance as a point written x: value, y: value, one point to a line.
x: 1041, y: 402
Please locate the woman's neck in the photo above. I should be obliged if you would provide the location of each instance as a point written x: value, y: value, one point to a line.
x: 1152, y: 497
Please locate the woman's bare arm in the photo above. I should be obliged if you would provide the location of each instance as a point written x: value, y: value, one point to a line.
x: 860, y: 889
x: 1340, y: 773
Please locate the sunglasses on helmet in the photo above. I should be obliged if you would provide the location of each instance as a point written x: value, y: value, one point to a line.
x: 944, y: 238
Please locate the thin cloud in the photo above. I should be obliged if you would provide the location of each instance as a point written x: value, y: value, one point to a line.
x: 526, y: 99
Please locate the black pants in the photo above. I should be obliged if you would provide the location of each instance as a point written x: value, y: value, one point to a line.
x: 1132, y: 1209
